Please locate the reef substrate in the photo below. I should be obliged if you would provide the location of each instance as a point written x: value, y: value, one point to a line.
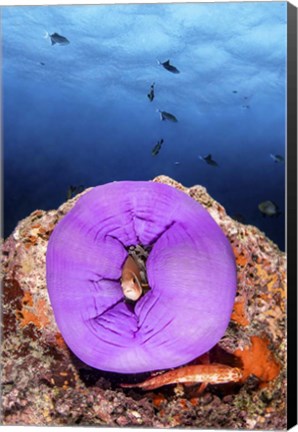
x: 43, y: 383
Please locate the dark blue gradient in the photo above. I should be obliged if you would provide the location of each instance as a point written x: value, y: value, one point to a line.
x: 79, y: 114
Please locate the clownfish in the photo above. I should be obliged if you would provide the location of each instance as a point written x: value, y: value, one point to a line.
x: 131, y: 280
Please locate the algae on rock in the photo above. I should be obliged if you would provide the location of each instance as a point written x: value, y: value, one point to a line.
x: 45, y: 384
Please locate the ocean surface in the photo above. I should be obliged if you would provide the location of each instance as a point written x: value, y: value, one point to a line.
x: 78, y: 114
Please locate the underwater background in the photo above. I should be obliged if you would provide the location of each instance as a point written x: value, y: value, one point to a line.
x: 78, y: 114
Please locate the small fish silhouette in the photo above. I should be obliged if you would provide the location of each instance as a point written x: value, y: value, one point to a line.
x: 72, y: 191
x: 57, y: 39
x: 168, y: 66
x: 277, y: 158
x: 167, y: 116
x: 157, y: 147
x: 208, y: 159
x: 269, y: 208
x: 151, y: 95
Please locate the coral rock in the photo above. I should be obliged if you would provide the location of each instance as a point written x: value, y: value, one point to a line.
x: 45, y: 384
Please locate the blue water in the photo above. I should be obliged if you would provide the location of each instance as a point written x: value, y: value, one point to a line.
x: 79, y: 114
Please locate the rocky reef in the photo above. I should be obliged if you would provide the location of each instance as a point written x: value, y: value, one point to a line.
x: 43, y: 383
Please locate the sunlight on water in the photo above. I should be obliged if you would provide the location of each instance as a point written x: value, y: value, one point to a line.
x: 78, y: 114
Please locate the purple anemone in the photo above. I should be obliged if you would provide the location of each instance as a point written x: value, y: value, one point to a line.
x: 190, y: 269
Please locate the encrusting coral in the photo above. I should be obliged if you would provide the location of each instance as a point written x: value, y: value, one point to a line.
x: 45, y: 384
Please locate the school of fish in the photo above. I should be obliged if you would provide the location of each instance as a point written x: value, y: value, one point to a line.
x: 267, y: 208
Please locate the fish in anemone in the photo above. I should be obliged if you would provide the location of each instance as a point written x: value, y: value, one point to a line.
x: 131, y: 280
x: 190, y: 274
